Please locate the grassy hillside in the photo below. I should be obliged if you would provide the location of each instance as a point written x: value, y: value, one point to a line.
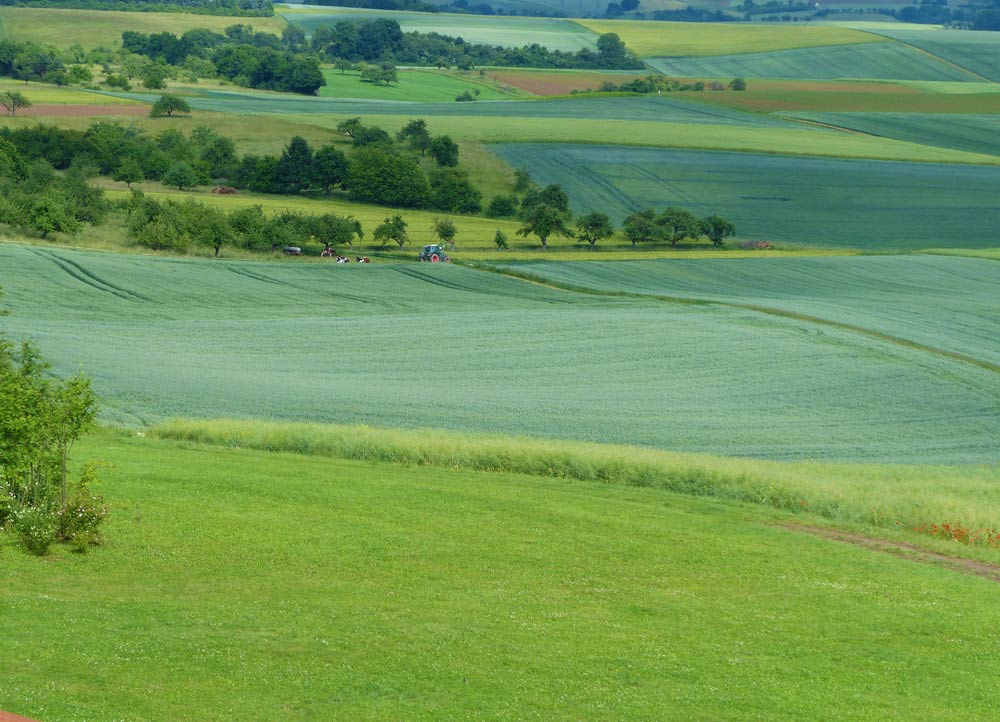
x: 947, y: 304
x: 412, y: 346
x: 813, y: 201
x: 654, y: 39
x: 414, y: 85
x: 433, y: 594
x: 91, y: 28
x: 552, y: 33
x: 888, y: 61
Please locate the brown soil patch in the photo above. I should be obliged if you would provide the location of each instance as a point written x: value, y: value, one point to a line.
x: 9, y: 717
x: 558, y: 83
x: 53, y: 109
x: 904, y: 550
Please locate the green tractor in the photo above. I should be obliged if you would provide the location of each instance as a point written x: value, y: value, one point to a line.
x: 433, y: 254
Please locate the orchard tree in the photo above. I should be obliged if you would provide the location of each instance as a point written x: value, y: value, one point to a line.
x: 391, y: 229
x: 181, y: 175
x: 445, y: 229
x: 544, y: 220
x: 641, y: 227
x: 168, y: 105
x: 500, y: 240
x: 717, y: 229
x: 594, y: 227
x: 677, y: 224
x: 444, y: 151
x: 129, y: 172
x: 415, y: 132
x: 13, y: 101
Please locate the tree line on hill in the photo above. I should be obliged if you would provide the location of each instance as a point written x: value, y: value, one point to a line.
x: 245, y: 8
x: 45, y: 172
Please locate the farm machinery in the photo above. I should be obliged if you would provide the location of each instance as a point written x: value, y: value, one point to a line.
x: 433, y: 254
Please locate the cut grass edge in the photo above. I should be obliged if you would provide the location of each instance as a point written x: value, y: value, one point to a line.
x: 914, y: 500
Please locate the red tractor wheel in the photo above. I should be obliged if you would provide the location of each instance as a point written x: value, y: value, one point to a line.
x: 435, y: 258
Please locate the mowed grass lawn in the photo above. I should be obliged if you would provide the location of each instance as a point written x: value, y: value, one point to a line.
x: 91, y: 28
x: 427, y: 86
x: 260, y: 586
x: 412, y: 346
x: 654, y: 38
x: 872, y: 205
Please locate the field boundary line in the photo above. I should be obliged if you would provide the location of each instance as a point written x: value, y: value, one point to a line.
x: 929, y: 54
x: 768, y: 310
x: 903, y: 550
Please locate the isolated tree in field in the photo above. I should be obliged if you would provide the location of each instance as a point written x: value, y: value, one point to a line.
x: 737, y: 84
x: 445, y: 230
x: 678, y: 224
x: 543, y: 221
x: 642, y: 227
x: 181, y: 175
x: 167, y: 105
x: 594, y: 227
x: 349, y: 127
x: 333, y: 230
x: 343, y: 65
x: 208, y: 226
x: 551, y: 195
x: 391, y: 229
x: 13, y: 101
x: 500, y: 240
x: 717, y: 229
x: 129, y: 172
x: 416, y: 134
x: 444, y: 151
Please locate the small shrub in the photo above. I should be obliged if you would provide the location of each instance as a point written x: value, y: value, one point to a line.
x: 36, y: 529
x: 500, y: 240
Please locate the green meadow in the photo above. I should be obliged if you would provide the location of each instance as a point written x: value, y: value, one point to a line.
x: 450, y: 347
x: 311, y: 588
x: 887, y: 61
x: 92, y: 28
x: 553, y: 33
x: 426, y: 86
x: 655, y: 39
x: 872, y: 205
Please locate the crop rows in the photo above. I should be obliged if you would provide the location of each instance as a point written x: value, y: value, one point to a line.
x: 812, y: 201
x: 407, y: 346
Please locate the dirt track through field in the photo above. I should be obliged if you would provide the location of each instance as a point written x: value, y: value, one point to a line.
x: 903, y: 550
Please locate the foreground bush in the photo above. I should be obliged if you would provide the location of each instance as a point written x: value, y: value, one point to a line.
x: 40, y: 419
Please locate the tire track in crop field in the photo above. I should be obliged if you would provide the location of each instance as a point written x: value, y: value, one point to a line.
x: 593, y: 179
x: 320, y: 292
x: 434, y: 280
x: 781, y: 313
x: 81, y: 274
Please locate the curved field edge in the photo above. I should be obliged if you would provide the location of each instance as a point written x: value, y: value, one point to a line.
x: 887, y: 497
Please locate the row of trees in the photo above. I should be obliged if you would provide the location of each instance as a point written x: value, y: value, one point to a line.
x: 663, y: 84
x: 382, y: 39
x: 40, y: 419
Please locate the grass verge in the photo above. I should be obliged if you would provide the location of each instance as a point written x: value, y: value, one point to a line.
x: 879, y: 496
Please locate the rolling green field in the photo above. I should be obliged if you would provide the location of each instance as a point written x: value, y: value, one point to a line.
x: 411, y: 346
x: 873, y: 205
x: 887, y: 61
x: 414, y: 85
x: 974, y: 133
x: 553, y: 33
x: 91, y: 28
x: 311, y: 588
x: 975, y: 51
x: 655, y: 39
x: 664, y: 122
x: 949, y: 304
